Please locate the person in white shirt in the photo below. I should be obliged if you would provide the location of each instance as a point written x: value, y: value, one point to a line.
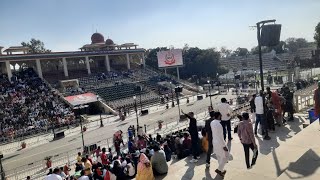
x: 225, y: 109
x: 55, y: 175
x: 219, y: 144
x: 83, y: 177
x: 258, y: 101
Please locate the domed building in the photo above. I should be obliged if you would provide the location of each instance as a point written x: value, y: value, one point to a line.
x: 98, y: 44
x: 97, y: 38
x: 109, y: 42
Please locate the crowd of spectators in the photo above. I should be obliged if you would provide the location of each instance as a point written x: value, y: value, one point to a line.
x: 145, y: 158
x: 28, y: 106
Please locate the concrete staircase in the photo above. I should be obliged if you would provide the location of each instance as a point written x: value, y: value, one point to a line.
x: 296, y: 158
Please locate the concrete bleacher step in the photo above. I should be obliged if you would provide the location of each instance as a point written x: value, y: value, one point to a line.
x: 296, y: 158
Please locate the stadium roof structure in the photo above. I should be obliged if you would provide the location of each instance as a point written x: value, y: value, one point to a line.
x: 53, y: 55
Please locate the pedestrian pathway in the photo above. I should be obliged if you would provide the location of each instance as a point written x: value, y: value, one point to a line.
x: 290, y: 154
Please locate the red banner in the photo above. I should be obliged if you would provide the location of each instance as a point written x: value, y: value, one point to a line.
x: 81, y: 99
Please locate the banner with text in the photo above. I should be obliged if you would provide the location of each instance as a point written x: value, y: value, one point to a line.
x: 170, y: 58
x: 81, y: 99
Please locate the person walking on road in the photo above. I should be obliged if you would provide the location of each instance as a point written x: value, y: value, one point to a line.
x: 193, y: 130
x: 247, y: 139
x: 219, y: 144
x: 225, y: 109
x: 209, y: 136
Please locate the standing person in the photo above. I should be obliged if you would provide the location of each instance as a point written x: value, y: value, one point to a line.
x: 225, y: 109
x: 316, y: 97
x: 247, y: 139
x: 209, y: 137
x: 219, y: 144
x: 270, y: 116
x: 276, y: 101
x: 260, y: 116
x: 253, y: 107
x: 193, y: 130
x: 288, y: 95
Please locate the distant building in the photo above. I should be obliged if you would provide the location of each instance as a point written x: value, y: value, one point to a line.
x: 98, y: 56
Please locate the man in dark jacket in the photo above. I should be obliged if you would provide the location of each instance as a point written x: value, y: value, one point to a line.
x: 209, y: 136
x: 193, y: 130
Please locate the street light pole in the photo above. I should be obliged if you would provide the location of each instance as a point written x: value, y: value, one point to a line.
x: 210, y: 93
x: 218, y: 83
x: 259, y: 25
x: 177, y: 95
x: 140, y: 89
x: 255, y: 81
x: 101, y: 123
x: 80, y: 113
x: 1, y: 168
x: 172, y: 105
x: 136, y: 110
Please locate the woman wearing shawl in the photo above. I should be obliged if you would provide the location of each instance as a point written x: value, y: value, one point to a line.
x: 144, y: 171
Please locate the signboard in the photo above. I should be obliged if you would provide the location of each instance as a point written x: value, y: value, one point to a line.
x: 81, y: 99
x: 170, y: 58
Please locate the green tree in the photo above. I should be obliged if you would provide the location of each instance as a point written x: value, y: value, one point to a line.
x: 240, y: 52
x: 36, y: 46
x: 224, y: 52
x: 255, y: 50
x: 152, y: 59
x: 317, y: 35
x: 293, y: 44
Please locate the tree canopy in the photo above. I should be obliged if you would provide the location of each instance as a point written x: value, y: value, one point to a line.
x: 240, y: 52
x: 289, y: 45
x: 317, y: 35
x: 36, y: 46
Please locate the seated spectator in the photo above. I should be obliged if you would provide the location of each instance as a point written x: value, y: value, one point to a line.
x: 62, y: 174
x: 55, y: 175
x: 144, y: 170
x: 104, y: 158
x: 186, y: 145
x: 118, y: 171
x: 141, y: 144
x: 167, y: 151
x: 87, y: 166
x: 83, y: 176
x: 159, y: 162
x: 131, y: 145
x: 130, y: 170
x: 204, y: 141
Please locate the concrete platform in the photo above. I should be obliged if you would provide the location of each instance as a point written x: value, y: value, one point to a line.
x: 292, y: 153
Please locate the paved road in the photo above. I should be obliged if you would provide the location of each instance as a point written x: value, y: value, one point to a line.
x: 38, y: 153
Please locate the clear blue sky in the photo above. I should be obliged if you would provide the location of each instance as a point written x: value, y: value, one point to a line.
x: 66, y: 25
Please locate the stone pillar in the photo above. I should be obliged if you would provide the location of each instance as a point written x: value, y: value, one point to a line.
x: 107, y: 63
x: 39, y: 70
x: 128, y: 61
x: 65, y: 67
x: 178, y: 74
x: 143, y: 60
x: 9, y: 73
x: 88, y: 65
